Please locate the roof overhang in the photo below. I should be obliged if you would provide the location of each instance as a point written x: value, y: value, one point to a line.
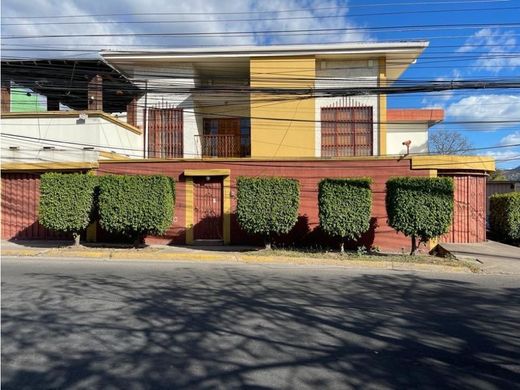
x: 428, y: 116
x: 399, y: 55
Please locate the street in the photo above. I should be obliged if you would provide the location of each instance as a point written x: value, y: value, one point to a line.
x: 78, y: 324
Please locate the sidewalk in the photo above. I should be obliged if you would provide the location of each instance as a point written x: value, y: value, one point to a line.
x: 155, y: 252
x: 496, y: 258
x: 229, y: 255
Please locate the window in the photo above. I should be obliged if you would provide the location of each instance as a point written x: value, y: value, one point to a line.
x: 346, y: 131
x: 165, y: 132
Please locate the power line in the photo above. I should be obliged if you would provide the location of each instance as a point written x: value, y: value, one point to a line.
x: 392, y: 4
x: 277, y: 32
x: 126, y: 150
x: 313, y: 17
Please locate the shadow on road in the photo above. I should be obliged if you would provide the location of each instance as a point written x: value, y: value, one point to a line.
x: 236, y: 329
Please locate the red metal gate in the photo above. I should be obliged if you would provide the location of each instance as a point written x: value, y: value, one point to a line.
x: 207, y: 208
x: 469, y: 214
x: 20, y: 201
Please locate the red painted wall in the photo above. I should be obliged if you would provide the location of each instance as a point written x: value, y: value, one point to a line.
x: 309, y: 173
x: 20, y: 201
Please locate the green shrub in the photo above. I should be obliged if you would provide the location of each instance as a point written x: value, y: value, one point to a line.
x: 504, y: 216
x: 267, y: 205
x: 420, y: 207
x: 345, y: 206
x: 67, y: 202
x: 136, y: 205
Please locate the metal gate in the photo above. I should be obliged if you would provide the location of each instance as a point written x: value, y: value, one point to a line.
x: 469, y: 213
x: 20, y: 201
x: 208, y: 222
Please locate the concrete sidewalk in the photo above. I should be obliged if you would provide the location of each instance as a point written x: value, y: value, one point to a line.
x: 109, y: 251
x: 496, y: 258
x: 224, y: 254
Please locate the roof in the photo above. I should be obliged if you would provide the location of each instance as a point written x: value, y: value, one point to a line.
x: 403, y: 115
x: 67, y: 80
x: 251, y: 51
x: 399, y: 54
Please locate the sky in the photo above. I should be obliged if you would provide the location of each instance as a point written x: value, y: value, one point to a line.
x: 468, y: 40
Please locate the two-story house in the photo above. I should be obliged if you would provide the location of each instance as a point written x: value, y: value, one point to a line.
x: 206, y: 116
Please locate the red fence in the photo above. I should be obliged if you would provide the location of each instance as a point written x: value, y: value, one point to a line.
x: 20, y: 200
x: 469, y: 214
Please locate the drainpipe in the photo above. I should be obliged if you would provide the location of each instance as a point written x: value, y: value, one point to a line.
x: 145, y: 119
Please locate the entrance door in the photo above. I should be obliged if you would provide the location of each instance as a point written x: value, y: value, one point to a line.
x: 207, y: 206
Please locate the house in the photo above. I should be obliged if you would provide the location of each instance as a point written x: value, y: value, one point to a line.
x: 206, y: 116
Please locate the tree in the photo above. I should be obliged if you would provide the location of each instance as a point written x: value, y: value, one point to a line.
x: 67, y: 202
x: 267, y: 205
x: 498, y: 175
x: 420, y: 207
x: 449, y: 142
x: 345, y: 206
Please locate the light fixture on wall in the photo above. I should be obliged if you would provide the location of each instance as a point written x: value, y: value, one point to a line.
x: 407, y: 144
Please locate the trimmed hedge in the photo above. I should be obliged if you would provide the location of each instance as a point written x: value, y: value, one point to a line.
x: 504, y: 216
x: 67, y: 201
x: 345, y: 207
x: 420, y: 206
x: 267, y: 205
x: 136, y: 205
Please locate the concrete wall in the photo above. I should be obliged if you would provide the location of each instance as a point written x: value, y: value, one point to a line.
x: 397, y: 133
x: 68, y: 135
x: 346, y: 74
x: 164, y: 83
x: 282, y: 126
x: 307, y: 171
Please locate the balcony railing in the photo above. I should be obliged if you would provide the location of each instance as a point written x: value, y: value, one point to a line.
x: 224, y: 145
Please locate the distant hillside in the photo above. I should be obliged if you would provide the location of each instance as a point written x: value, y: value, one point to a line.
x: 512, y: 174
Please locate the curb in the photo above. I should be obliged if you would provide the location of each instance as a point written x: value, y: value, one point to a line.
x: 230, y: 258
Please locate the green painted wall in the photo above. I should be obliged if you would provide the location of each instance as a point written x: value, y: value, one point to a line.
x: 20, y: 102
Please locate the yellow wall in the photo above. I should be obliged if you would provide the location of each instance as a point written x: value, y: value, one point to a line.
x: 382, y: 108
x: 282, y: 128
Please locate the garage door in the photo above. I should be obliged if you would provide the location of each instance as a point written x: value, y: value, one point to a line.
x: 469, y: 214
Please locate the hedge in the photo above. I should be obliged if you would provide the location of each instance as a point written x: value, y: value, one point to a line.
x: 67, y: 202
x: 267, y: 205
x: 504, y: 216
x: 136, y: 205
x: 345, y: 207
x: 420, y: 206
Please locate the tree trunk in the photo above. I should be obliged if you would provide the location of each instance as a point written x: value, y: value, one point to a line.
x: 138, y: 240
x: 267, y: 243
x: 414, y: 246
x: 76, y: 237
x: 342, y: 247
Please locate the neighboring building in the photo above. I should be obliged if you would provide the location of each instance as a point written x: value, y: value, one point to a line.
x: 207, y: 116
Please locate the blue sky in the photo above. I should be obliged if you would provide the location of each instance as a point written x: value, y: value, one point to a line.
x: 489, y: 51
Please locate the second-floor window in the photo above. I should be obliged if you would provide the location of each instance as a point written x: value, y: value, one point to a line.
x: 346, y: 131
x: 165, y: 133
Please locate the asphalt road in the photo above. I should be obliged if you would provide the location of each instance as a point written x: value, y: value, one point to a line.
x: 73, y: 324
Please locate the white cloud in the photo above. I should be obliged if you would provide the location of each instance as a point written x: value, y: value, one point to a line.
x: 214, y: 17
x: 497, y: 49
x: 486, y: 108
x: 505, y: 159
x: 510, y: 139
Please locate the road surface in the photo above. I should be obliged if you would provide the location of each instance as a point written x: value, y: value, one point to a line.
x: 90, y: 324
